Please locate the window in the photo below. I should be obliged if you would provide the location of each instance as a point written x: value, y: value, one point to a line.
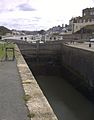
x: 76, y: 27
x: 84, y: 14
x: 92, y: 13
x: 84, y: 20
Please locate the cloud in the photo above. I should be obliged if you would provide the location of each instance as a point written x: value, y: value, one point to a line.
x: 25, y: 7
x: 19, y: 24
x: 40, y: 14
x: 36, y: 19
x: 5, y: 10
x: 15, y: 5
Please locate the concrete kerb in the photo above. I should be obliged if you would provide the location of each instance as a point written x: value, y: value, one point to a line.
x: 36, y: 102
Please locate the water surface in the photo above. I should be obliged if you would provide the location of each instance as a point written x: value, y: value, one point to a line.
x: 67, y: 103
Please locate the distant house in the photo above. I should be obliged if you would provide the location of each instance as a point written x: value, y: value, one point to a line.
x: 53, y: 37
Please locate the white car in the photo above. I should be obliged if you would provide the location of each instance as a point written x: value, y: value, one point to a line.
x: 92, y: 40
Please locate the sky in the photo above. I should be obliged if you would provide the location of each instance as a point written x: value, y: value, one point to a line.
x: 40, y: 14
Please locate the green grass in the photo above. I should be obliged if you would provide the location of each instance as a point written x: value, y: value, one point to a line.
x: 3, y: 46
x: 26, y: 97
x: 8, y: 45
x: 31, y: 115
x: 2, y: 51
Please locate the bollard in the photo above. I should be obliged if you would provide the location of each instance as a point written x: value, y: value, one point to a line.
x: 89, y: 44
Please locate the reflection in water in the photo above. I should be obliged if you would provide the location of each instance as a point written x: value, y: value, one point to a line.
x: 67, y: 103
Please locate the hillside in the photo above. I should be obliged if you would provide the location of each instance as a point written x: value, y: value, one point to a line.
x: 4, y: 30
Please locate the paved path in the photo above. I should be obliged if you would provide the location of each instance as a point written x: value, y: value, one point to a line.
x: 84, y: 46
x: 12, y: 105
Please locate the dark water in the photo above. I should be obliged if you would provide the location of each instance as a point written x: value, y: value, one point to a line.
x: 66, y: 101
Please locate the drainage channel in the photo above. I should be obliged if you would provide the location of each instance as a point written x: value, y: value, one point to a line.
x: 65, y: 100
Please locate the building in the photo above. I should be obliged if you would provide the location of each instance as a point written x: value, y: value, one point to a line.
x: 86, y: 22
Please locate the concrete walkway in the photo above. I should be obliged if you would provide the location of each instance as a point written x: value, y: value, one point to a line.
x: 12, y: 104
x: 84, y: 46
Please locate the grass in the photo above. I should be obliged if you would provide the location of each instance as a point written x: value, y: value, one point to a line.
x: 31, y: 115
x: 2, y: 51
x: 3, y: 46
x: 9, y: 45
x: 26, y: 97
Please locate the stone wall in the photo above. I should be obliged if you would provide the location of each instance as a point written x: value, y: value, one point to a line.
x: 39, y: 108
x: 48, y: 49
x: 80, y: 61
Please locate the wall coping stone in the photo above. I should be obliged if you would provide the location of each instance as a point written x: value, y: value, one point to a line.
x: 37, y: 104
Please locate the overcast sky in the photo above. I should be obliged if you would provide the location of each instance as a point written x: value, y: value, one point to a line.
x: 40, y: 14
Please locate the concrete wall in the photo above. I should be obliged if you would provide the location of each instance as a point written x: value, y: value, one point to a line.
x: 78, y: 26
x: 39, y: 107
x: 80, y: 61
x: 76, y: 37
x: 41, y: 50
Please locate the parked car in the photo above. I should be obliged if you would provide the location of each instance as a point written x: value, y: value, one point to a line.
x: 92, y: 40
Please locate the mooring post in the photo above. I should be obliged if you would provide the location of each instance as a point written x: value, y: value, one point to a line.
x: 37, y: 50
